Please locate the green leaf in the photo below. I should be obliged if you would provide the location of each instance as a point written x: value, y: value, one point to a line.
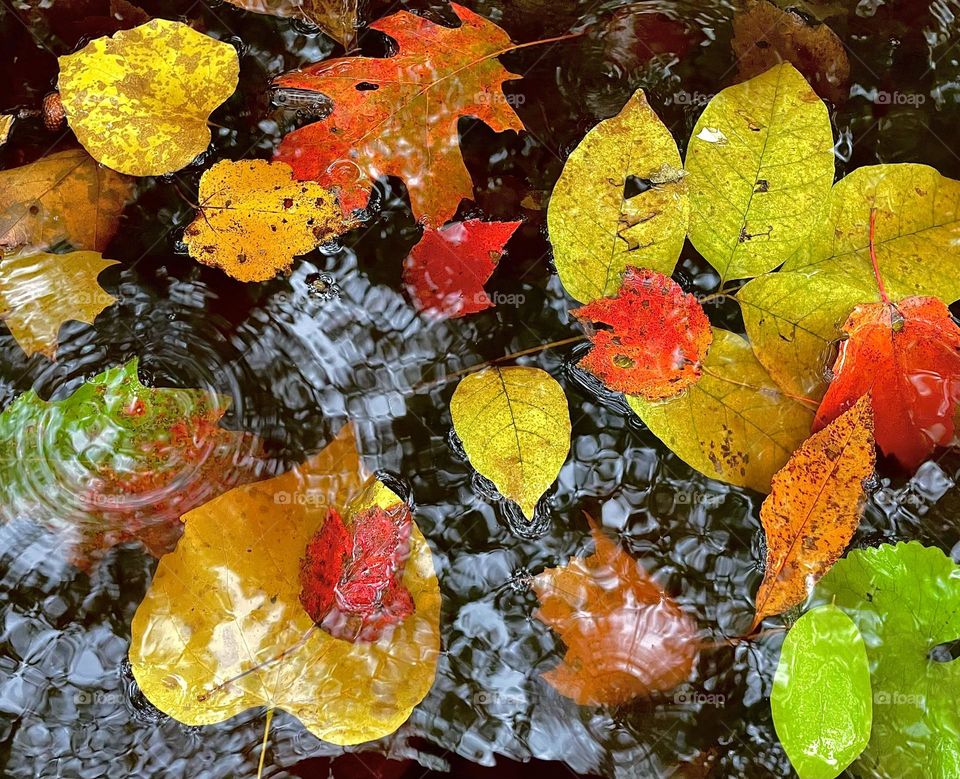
x: 917, y: 235
x: 598, y: 225
x: 821, y: 697
x: 734, y: 424
x: 760, y: 164
x: 905, y: 599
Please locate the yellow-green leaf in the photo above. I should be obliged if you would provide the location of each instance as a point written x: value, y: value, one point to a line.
x: 139, y: 101
x: 734, y: 424
x: 515, y: 428
x: 6, y: 123
x: 337, y: 18
x: 39, y: 292
x: 598, y: 224
x: 760, y: 165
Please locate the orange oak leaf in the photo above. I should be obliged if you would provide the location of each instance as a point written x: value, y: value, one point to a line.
x: 653, y: 336
x: 813, y: 509
x: 907, y: 357
x: 397, y: 116
x: 625, y: 637
x: 447, y: 269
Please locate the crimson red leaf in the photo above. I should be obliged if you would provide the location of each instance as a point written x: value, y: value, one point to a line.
x: 447, y: 269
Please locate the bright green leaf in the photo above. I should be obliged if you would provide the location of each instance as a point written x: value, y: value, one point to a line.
x: 598, y: 224
x: 760, y: 164
x: 734, y: 424
x: 821, y: 697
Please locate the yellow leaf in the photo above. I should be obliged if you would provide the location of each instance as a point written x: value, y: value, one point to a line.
x: 139, y: 101
x: 515, y: 428
x: 221, y: 629
x: 598, y: 225
x: 6, y: 122
x: 65, y: 197
x: 761, y: 165
x: 337, y: 18
x: 734, y: 424
x: 39, y: 292
x: 254, y: 218
x: 814, y: 508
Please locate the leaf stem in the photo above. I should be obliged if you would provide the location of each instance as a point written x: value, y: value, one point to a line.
x: 873, y: 257
x: 798, y: 398
x: 263, y: 747
x: 707, y: 646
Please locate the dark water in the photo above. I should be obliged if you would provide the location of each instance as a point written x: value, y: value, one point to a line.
x: 297, y: 366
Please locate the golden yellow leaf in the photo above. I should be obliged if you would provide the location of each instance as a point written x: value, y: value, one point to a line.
x: 814, y: 507
x: 139, y: 101
x: 6, y: 122
x: 254, y: 218
x: 515, y: 428
x: 39, y: 292
x: 221, y: 629
x: 337, y: 18
x: 63, y: 198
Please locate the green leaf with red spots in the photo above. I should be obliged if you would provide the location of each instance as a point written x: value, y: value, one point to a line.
x: 116, y: 462
x: 652, y: 337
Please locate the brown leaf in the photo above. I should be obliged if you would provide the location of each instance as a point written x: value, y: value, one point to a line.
x: 337, y: 18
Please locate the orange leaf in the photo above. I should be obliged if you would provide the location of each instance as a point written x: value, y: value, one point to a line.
x: 814, y: 507
x: 625, y: 636
x: 905, y: 355
x: 397, y: 116
x: 657, y: 337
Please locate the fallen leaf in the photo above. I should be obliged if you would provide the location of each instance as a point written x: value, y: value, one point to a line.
x: 6, y: 123
x: 905, y: 599
x: 814, y: 508
x: 117, y: 462
x: 734, y: 424
x: 515, y: 428
x: 907, y: 357
x: 625, y: 637
x: 821, y: 699
x: 254, y: 218
x: 222, y: 629
x: 139, y: 101
x: 621, y: 200
x: 447, y: 269
x: 398, y: 115
x: 337, y: 18
x: 654, y: 339
x: 760, y: 164
x: 765, y: 35
x: 39, y: 292
x: 62, y: 198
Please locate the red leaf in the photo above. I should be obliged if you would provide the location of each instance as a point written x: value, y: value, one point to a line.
x: 905, y: 355
x: 351, y: 581
x: 447, y: 269
x: 656, y: 336
x: 397, y: 116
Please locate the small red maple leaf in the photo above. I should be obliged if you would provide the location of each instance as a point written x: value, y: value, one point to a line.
x: 351, y: 580
x: 447, y: 269
x: 654, y: 339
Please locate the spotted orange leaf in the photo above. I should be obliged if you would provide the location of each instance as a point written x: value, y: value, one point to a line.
x: 814, y: 507
x: 398, y: 116
x: 652, y: 336
x: 625, y: 637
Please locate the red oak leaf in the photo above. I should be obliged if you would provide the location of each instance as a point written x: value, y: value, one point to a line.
x: 447, y: 269
x: 654, y: 338
x: 397, y: 116
x: 351, y: 579
x: 907, y: 357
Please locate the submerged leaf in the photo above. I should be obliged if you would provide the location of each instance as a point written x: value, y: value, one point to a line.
x: 814, y: 508
x: 515, y: 428
x: 139, y: 101
x: 620, y: 201
x: 654, y: 340
x: 447, y: 269
x: 337, y: 18
x: 39, y: 292
x: 625, y: 637
x: 406, y: 124
x: 254, y: 218
x: 760, y: 164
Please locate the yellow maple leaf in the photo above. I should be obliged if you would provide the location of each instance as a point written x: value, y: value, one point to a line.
x: 39, y: 292
x: 221, y: 629
x: 254, y: 218
x: 139, y: 101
